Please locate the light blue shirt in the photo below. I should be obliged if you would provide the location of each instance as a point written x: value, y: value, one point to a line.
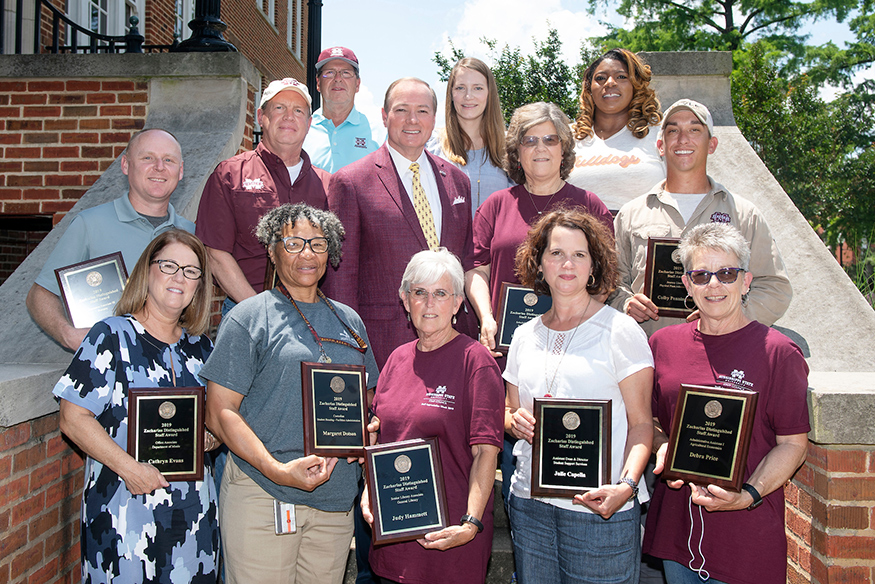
x: 104, y: 229
x: 333, y: 148
x: 485, y: 178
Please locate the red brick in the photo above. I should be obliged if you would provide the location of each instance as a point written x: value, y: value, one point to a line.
x: 115, y: 137
x: 24, y: 125
x: 141, y: 97
x: 64, y: 180
x: 72, y: 193
x: 41, y: 138
x: 94, y: 124
x: 45, y: 474
x: 90, y: 179
x: 70, y: 463
x: 14, y: 436
x: 799, y: 526
x: 10, y: 194
x: 851, y: 547
x: 128, y: 124
x: 40, y: 194
x: 61, y: 152
x: 4, y: 574
x: 138, y: 111
x: 44, y: 574
x: 4, y: 521
x: 842, y: 460
x: 41, y: 166
x: 24, y: 152
x: 28, y: 508
x: 80, y: 111
x: 58, y: 540
x: 60, y: 491
x: 78, y: 165
x: 97, y: 152
x: 80, y: 138
x: 871, y: 468
x: 45, y: 86
x: 6, y: 86
x: 26, y: 560
x: 119, y: 150
x: 118, y: 86
x: 5, y: 468
x: 105, y: 164
x: 100, y: 98
x: 13, y: 541
x: 141, y: 85
x: 80, y: 85
x: 56, y: 207
x: 16, y: 208
x: 10, y: 138
x: 10, y: 166
x: 818, y: 570
x: 27, y: 99
x: 36, y: 111
x: 115, y: 110
x: 13, y: 491
x: 67, y: 99
x: 856, y: 489
x: 29, y: 458
x: 10, y: 112
x: 42, y: 523
x: 848, y: 574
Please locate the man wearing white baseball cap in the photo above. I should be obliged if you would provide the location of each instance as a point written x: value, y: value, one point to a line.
x: 686, y: 198
x: 339, y: 133
x: 246, y: 186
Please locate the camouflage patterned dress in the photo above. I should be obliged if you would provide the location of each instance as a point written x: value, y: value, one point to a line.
x: 170, y: 535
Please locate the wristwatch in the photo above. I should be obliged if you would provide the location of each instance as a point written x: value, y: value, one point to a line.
x: 757, y: 499
x: 473, y: 521
x: 632, y: 484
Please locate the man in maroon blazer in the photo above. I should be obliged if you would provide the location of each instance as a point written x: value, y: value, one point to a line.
x: 373, y: 199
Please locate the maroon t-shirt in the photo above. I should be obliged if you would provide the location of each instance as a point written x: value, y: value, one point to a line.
x: 739, y: 547
x: 455, y: 393
x: 503, y: 221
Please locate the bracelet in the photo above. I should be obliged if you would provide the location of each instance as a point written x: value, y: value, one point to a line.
x: 757, y: 498
x: 631, y: 483
x: 473, y: 521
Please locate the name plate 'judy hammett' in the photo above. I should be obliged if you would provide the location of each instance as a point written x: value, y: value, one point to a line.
x: 571, y: 450
x: 517, y: 305
x: 710, y: 436
x: 335, y: 409
x: 406, y: 489
x: 166, y: 430
x: 90, y: 290
x: 662, y: 278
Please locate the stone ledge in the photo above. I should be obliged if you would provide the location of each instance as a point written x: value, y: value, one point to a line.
x: 841, y: 407
x: 25, y: 391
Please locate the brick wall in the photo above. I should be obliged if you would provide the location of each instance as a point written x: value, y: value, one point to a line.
x: 40, y: 490
x: 58, y: 136
x: 262, y: 42
x: 831, y: 517
x: 158, y: 22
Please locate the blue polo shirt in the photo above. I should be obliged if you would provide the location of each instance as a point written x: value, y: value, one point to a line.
x: 333, y: 148
x: 104, y: 229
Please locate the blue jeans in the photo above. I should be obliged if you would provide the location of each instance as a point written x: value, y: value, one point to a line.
x: 559, y: 546
x: 676, y: 573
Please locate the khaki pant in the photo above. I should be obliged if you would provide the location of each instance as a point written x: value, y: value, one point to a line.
x: 315, y: 554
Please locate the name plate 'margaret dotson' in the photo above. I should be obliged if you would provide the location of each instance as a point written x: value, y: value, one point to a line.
x: 91, y: 289
x: 335, y: 409
x: 571, y: 450
x: 406, y: 489
x: 662, y: 277
x: 166, y: 430
x: 710, y: 436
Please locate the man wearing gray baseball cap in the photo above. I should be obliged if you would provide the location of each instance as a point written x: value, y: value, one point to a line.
x: 686, y: 198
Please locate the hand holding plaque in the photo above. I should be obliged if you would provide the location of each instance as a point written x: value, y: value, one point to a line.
x: 710, y: 436
x: 662, y: 278
x: 91, y: 289
x: 517, y: 305
x: 335, y: 409
x: 571, y: 451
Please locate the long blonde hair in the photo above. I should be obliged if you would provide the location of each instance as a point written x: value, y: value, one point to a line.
x: 455, y: 143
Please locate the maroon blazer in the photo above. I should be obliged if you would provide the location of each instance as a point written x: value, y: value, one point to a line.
x: 382, y: 234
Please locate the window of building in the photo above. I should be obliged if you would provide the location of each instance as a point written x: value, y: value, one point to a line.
x: 293, y: 27
x: 184, y: 15
x: 268, y: 7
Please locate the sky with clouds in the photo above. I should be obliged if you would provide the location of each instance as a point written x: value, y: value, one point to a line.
x: 398, y: 38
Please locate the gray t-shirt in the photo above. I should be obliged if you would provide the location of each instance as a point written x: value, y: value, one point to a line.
x: 258, y: 353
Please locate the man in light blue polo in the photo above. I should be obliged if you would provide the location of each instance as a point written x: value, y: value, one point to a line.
x: 152, y: 162
x: 339, y: 134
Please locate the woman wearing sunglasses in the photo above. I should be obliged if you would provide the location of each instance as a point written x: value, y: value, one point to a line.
x: 254, y: 404
x: 740, y: 539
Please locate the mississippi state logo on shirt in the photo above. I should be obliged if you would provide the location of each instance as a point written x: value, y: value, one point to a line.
x: 735, y: 379
x: 439, y: 398
x: 720, y: 217
x: 361, y: 143
x: 253, y: 184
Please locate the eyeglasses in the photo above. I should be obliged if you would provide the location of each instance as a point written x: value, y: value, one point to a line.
x: 170, y: 267
x: 332, y: 73
x: 532, y: 141
x: 421, y: 295
x: 297, y: 244
x: 724, y: 276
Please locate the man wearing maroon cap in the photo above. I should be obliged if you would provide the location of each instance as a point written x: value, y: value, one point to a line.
x: 339, y: 134
x: 246, y: 186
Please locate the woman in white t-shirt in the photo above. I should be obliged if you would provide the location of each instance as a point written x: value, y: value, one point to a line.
x: 616, y: 155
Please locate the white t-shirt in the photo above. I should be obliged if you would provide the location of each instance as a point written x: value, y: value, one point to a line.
x: 295, y: 170
x: 685, y: 203
x: 606, y: 349
x: 618, y: 169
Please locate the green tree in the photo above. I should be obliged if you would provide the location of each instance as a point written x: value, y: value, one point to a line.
x: 522, y: 79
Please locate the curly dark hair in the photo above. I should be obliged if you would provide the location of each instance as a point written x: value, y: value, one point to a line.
x: 526, y: 117
x: 644, y: 110
x: 598, y: 239
x: 269, y: 230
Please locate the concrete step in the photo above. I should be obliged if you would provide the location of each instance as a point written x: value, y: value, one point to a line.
x: 501, y: 565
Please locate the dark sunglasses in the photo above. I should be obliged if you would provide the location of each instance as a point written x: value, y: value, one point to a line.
x: 724, y: 276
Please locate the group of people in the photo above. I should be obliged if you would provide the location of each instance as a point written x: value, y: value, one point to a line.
x: 420, y: 234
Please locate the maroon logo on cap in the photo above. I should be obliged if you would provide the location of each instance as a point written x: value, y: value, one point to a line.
x: 720, y: 217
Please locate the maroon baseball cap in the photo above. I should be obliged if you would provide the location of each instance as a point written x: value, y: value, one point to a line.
x: 341, y: 53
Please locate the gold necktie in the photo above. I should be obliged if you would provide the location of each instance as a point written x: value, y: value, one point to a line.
x: 423, y: 209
